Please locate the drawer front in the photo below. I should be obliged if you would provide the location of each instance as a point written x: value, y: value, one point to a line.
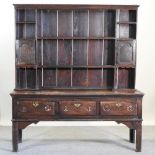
x: 33, y: 108
x: 118, y: 107
x: 81, y: 108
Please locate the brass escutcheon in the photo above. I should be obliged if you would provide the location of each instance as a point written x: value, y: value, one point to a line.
x: 35, y: 104
x: 118, y: 105
x: 77, y: 105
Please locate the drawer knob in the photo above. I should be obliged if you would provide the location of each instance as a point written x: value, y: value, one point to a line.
x: 47, y: 108
x: 77, y: 105
x: 35, y: 104
x: 130, y: 108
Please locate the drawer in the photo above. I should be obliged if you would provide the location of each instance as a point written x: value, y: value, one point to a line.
x: 35, y: 108
x: 77, y: 108
x: 118, y: 107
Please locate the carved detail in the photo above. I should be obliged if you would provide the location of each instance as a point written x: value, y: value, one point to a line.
x: 66, y: 109
x: 130, y: 108
x: 23, y: 125
x: 131, y: 124
x: 106, y: 107
x: 48, y: 108
x: 89, y: 108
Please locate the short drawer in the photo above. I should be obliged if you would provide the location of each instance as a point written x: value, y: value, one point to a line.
x: 78, y: 108
x: 118, y: 107
x: 35, y: 108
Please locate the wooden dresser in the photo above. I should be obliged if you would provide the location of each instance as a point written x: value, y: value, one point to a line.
x: 76, y: 62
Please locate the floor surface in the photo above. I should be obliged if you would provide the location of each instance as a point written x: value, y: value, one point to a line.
x: 108, y: 140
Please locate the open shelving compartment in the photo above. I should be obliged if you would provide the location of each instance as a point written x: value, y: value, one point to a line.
x: 73, y: 48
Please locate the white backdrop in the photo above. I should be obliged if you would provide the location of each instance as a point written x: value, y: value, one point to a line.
x: 145, y: 80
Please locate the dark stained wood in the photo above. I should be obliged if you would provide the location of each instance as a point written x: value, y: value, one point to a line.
x: 74, y: 108
x: 30, y: 15
x: 65, y: 52
x: 125, y: 78
x: 81, y: 92
x: 49, y: 23
x: 80, y: 78
x: 94, y: 77
x: 75, y: 6
x: 80, y: 23
x: 49, y: 78
x: 109, y: 23
x: 39, y: 78
x: 31, y: 78
x: 127, y: 15
x: 109, y: 52
x: 65, y: 23
x: 132, y: 135
x: 76, y: 63
x: 80, y: 53
x: 39, y: 53
x: 64, y: 78
x: 125, y: 51
x: 96, y: 24
x: 19, y: 135
x: 21, y: 78
x: 108, y: 78
x: 25, y: 52
x: 35, y: 108
x: 119, y: 107
x: 15, y: 136
x: 20, y: 15
x: 95, y: 51
x: 49, y: 52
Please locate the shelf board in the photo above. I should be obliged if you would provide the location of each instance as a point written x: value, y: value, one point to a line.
x: 126, y: 66
x: 126, y: 22
x: 77, y: 38
x: 125, y: 39
x: 63, y: 67
x: 26, y: 22
x: 26, y: 66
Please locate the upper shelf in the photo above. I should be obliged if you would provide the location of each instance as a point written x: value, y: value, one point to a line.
x: 74, y: 6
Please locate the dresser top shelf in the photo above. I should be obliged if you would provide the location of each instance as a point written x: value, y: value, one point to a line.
x: 75, y: 6
x: 78, y: 92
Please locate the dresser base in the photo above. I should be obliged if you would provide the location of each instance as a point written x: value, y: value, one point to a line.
x: 123, y: 106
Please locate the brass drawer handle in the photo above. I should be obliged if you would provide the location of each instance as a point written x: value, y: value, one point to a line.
x: 77, y: 105
x: 35, y: 104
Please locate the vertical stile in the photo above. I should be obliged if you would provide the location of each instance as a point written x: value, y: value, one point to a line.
x: 87, y: 47
x: 72, y: 54
x: 117, y: 36
x: 102, y: 52
x: 42, y: 49
x: 17, y: 32
x: 24, y: 24
x: 36, y: 57
x: 25, y: 77
x: 57, y: 53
